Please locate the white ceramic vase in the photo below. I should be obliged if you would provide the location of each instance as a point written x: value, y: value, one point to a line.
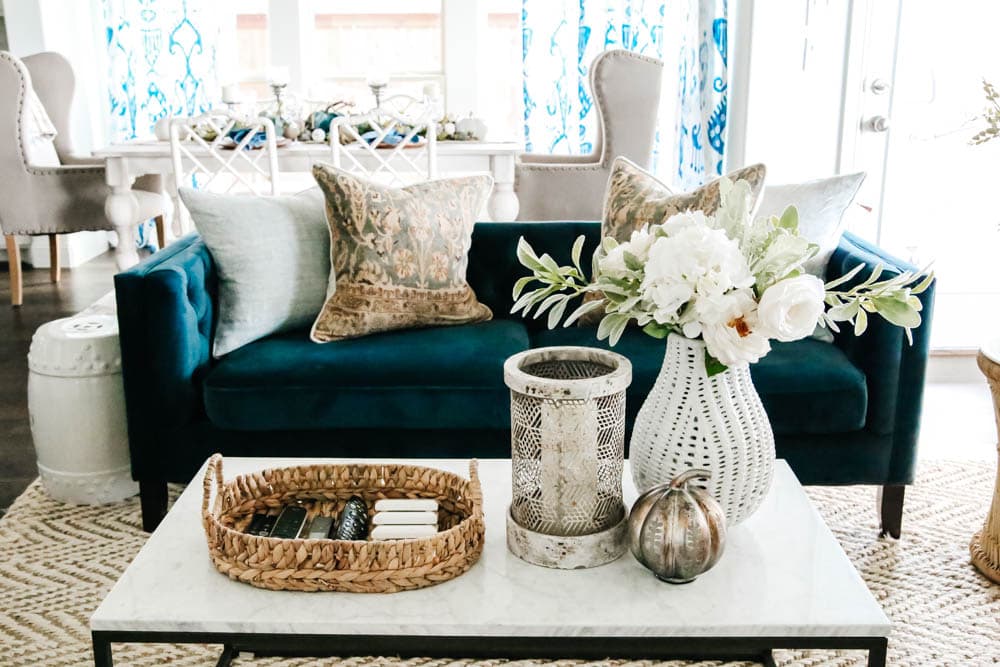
x: 691, y: 420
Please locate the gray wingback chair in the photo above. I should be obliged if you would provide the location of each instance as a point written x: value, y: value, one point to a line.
x: 46, y: 192
x: 626, y: 92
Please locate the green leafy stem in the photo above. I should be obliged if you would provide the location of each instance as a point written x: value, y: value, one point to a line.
x: 894, y: 298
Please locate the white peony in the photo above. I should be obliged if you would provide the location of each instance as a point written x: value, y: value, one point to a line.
x: 705, y: 259
x: 667, y: 299
x: 730, y: 327
x: 685, y: 220
x: 790, y: 309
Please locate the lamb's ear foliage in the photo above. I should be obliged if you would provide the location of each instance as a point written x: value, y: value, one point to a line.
x: 894, y: 299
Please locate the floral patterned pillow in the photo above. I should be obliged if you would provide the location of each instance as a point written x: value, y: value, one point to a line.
x: 399, y: 255
x: 635, y: 197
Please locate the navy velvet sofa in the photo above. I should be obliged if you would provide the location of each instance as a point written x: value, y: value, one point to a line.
x: 846, y: 413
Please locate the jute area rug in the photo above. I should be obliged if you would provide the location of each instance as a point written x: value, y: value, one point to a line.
x: 57, y: 563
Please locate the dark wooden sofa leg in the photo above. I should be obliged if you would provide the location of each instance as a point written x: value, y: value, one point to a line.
x: 153, y: 500
x: 891, y: 509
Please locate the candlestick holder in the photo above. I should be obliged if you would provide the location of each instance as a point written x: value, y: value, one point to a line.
x: 279, y: 117
x: 377, y: 89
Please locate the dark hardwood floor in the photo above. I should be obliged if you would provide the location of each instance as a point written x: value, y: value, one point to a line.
x: 43, y: 301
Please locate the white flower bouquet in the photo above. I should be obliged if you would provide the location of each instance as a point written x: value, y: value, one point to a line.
x: 730, y: 280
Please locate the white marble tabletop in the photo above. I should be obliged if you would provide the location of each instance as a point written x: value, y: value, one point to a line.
x: 783, y: 574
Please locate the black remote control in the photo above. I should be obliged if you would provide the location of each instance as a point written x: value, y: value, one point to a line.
x: 261, y: 524
x: 289, y: 522
x: 353, y: 521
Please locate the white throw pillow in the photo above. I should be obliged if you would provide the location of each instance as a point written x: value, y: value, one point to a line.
x: 272, y: 255
x: 821, y: 205
x: 38, y: 134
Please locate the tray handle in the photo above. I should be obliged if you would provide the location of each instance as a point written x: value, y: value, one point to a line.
x: 213, y: 470
x: 477, y: 489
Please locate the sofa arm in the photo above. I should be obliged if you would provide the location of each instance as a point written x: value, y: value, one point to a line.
x: 165, y: 318
x: 894, y: 368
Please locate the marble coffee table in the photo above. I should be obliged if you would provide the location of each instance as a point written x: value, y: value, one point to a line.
x: 783, y: 582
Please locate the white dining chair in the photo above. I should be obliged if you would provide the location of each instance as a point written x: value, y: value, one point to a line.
x: 46, y: 187
x: 400, y: 118
x: 204, y: 155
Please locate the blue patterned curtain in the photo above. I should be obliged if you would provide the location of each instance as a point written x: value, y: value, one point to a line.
x: 162, y: 61
x: 161, y: 56
x: 560, y: 38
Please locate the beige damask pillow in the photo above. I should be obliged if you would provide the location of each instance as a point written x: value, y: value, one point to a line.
x: 635, y: 197
x: 399, y: 255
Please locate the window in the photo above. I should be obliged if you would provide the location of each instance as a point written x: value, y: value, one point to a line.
x: 332, y: 48
x: 252, y: 49
x: 398, y: 39
x: 503, y: 94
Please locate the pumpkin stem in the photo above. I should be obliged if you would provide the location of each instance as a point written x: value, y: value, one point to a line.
x: 695, y: 473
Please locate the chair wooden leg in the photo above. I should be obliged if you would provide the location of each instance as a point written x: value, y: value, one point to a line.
x: 891, y: 509
x: 161, y: 234
x: 54, y: 267
x: 14, y: 259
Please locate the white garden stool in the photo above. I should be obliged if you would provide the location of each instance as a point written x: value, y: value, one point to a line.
x: 77, y: 406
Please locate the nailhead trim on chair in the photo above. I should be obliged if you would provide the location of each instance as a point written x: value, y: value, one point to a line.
x: 67, y: 171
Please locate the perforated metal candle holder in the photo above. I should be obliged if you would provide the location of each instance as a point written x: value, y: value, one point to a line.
x: 567, y: 419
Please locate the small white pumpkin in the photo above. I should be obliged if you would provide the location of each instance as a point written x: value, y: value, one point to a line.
x: 472, y: 127
x: 162, y: 128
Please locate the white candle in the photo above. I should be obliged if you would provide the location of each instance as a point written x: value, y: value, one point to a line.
x: 230, y: 93
x: 431, y: 90
x: 278, y: 75
x: 378, y: 77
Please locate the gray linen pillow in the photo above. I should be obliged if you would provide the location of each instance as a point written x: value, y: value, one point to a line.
x: 821, y: 205
x: 273, y: 259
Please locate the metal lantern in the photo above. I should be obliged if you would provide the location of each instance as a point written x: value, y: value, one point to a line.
x: 567, y: 418
x: 676, y: 530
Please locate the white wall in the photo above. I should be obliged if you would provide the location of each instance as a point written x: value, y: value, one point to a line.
x: 70, y: 28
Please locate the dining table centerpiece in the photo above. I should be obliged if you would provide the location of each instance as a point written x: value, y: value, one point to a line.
x: 718, y: 288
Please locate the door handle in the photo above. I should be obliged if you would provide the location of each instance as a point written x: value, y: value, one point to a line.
x: 879, y: 86
x: 877, y: 124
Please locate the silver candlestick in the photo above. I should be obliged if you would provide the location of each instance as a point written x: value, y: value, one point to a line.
x: 377, y: 89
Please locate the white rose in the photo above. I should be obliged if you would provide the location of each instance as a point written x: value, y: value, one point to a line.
x: 790, y: 309
x: 730, y: 328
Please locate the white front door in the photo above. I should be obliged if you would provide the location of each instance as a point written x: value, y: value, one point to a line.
x: 913, y: 100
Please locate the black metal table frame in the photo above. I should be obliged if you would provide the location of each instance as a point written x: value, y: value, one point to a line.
x: 594, y: 648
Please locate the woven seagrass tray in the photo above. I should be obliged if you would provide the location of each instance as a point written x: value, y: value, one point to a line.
x: 377, y: 566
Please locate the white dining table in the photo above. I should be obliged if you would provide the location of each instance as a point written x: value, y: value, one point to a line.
x: 128, y: 160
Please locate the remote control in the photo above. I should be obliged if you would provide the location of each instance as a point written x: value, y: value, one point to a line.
x: 261, y: 524
x: 289, y: 522
x: 320, y: 528
x: 353, y: 522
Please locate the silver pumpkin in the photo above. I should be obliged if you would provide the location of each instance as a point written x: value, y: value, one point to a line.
x: 676, y: 530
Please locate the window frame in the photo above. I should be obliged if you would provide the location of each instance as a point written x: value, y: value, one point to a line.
x: 463, y: 49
